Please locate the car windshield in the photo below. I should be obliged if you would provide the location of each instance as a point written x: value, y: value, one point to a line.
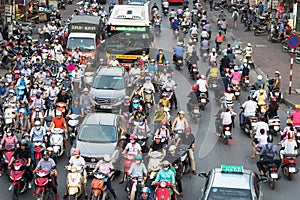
x: 98, y: 134
x: 105, y: 82
x: 85, y: 44
x: 217, y: 193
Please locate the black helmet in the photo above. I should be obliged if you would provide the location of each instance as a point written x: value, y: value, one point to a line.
x: 270, y: 139
x: 24, y: 142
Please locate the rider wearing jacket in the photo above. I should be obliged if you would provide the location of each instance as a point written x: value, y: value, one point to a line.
x: 165, y: 174
x: 296, y: 116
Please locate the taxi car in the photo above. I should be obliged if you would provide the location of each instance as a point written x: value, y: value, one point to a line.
x: 231, y: 182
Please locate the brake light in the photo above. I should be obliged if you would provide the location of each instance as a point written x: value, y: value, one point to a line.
x: 273, y: 169
x: 227, y: 128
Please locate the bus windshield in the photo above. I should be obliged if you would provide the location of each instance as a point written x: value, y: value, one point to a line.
x: 85, y: 44
x: 128, y: 43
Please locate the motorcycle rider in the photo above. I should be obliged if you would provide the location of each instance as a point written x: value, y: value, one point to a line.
x: 142, y: 128
x: 86, y: 99
x: 145, y: 195
x: 213, y: 56
x: 157, y: 23
x: 159, y: 116
x: 194, y: 30
x: 137, y: 169
x: 51, y: 154
x: 165, y: 174
x: 157, y: 145
x: 248, y: 52
x: 225, y: 63
x: 172, y: 14
x: 23, y: 153
x: 193, y: 99
x: 106, y: 167
x: 272, y: 108
x: 179, y: 51
x: 259, y: 141
x: 37, y: 132
x: 76, y: 109
x: 245, y: 68
x: 235, y: 75
x: 63, y: 97
x: 172, y: 85
x: 295, y: 115
x: 60, y: 122
x: 205, y: 46
x: 249, y: 107
x: 180, y: 122
x: 267, y: 153
x: 288, y: 146
x: 48, y: 164
x: 219, y: 39
x: 78, y: 161
x: 160, y: 57
x: 202, y: 86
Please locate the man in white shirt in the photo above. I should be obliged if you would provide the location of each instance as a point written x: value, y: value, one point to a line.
x: 249, y: 107
x: 113, y: 62
x: 204, y: 34
x: 202, y: 85
x: 260, y: 125
x: 76, y: 54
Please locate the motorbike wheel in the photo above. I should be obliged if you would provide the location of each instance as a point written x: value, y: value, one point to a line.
x: 95, y: 197
x: 247, y: 129
x: 216, y: 8
x: 15, y: 193
x: 285, y: 48
x: 290, y: 176
x: 272, y: 184
x: 226, y: 140
x: 256, y: 33
x: 297, y: 60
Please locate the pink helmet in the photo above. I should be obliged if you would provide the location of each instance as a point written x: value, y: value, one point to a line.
x: 76, y: 152
x: 133, y: 137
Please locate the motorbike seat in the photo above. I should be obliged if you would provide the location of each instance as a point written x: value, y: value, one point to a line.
x: 269, y: 165
x: 289, y: 155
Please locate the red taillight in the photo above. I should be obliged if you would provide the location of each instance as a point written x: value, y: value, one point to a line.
x: 227, y: 128
x: 273, y: 169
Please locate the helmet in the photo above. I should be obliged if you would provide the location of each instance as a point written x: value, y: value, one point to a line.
x: 85, y: 90
x: 259, y: 77
x: 261, y: 91
x: 194, y: 87
x: 148, y: 78
x: 213, y: 50
x: 58, y: 113
x: 190, y: 41
x: 165, y: 163
x: 146, y: 190
x: 106, y: 158
x: 202, y: 76
x: 26, y: 135
x: 236, y: 68
x: 290, y: 134
x: 289, y: 122
x: 164, y: 94
x: 37, y: 123
x: 76, y: 152
x: 277, y: 72
x: 138, y: 157
x: 297, y: 106
x: 198, y: 76
x: 229, y: 89
x: 245, y: 60
x: 24, y: 142
x: 181, y: 112
x: 273, y: 99
x: 157, y: 137
x: 172, y: 148
x: 270, y: 139
x: 133, y: 137
x: 224, y: 54
x: 249, y: 45
x: 50, y: 149
x: 167, y: 62
x: 140, y: 108
x: 127, y: 97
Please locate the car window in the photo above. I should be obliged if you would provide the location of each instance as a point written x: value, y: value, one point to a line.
x: 109, y: 82
x: 220, y: 193
x: 98, y: 133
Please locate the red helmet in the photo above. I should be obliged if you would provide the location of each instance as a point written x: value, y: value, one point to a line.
x: 229, y: 89
x: 273, y: 99
x: 195, y: 87
x: 198, y: 76
x: 140, y: 108
x: 188, y: 129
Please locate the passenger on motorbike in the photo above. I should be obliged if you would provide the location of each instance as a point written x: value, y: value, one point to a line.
x: 78, y: 161
x: 289, y: 146
x: 228, y: 97
x: 24, y: 153
x: 179, y: 51
x: 295, y: 116
x: 267, y: 153
x: 37, y: 132
x: 106, y: 167
x: 171, y: 85
x: 48, y: 164
x: 145, y: 194
x: 259, y: 141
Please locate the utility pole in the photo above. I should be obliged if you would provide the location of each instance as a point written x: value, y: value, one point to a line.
x: 9, y: 16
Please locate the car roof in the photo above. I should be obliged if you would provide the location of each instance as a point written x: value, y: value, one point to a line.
x: 111, y: 71
x: 231, y: 180
x: 100, y: 118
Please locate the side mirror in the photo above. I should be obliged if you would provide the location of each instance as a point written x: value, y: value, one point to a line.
x: 263, y: 179
x: 202, y: 175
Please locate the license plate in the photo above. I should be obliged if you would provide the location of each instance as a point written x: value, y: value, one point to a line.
x: 91, y: 165
x: 247, y: 81
x: 203, y: 100
x: 276, y: 94
x: 194, y: 70
x: 237, y: 93
x: 106, y: 107
x: 274, y: 175
x: 196, y: 111
x: 227, y: 133
x: 214, y: 85
x: 292, y: 169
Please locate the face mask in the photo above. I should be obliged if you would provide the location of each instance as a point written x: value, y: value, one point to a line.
x: 163, y: 127
x: 46, y: 159
x: 35, y: 86
x: 166, y: 168
x: 38, y: 96
x: 137, y: 161
x: 132, y: 141
x: 8, y: 134
x: 144, y: 54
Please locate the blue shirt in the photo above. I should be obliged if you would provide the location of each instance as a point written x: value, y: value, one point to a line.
x: 152, y: 68
x: 175, y: 24
x: 46, y: 165
x: 179, y: 51
x: 76, y: 110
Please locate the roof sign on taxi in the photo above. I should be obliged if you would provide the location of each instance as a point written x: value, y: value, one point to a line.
x: 232, y: 169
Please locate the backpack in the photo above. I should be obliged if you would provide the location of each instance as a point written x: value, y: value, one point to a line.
x: 269, y: 153
x: 246, y: 71
x: 235, y: 16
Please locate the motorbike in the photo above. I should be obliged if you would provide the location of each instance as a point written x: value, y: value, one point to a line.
x: 129, y: 160
x: 41, y: 182
x: 17, y: 174
x: 274, y: 125
x: 202, y: 99
x: 185, y: 158
x: 39, y: 147
x: 289, y: 165
x: 74, y: 186
x: 247, y: 24
x: 88, y: 78
x: 176, y: 33
x: 61, y: 106
x: 162, y: 191
x: 236, y: 90
x: 37, y: 115
x: 278, y: 94
x: 194, y: 72
x: 226, y: 134
x: 195, y: 113
x: 154, y: 166
x: 245, y: 83
x: 57, y: 141
x: 157, y: 29
x: 260, y: 29
x: 72, y: 123
x: 8, y: 152
x: 220, y: 5
x: 213, y: 82
x: 134, y: 187
x: 271, y: 174
x: 297, y: 56
x: 98, y: 186
x: 194, y: 38
x: 179, y: 63
x: 247, y: 127
x: 165, y: 11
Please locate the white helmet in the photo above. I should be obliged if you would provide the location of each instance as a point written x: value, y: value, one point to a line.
x: 37, y: 123
x: 106, y: 158
x: 259, y: 77
x: 58, y: 113
x: 277, y: 72
x: 236, y: 67
x: 213, y: 50
x: 245, y: 60
x: 172, y: 148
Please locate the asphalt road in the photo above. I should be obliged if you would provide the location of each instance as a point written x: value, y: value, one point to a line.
x: 210, y: 152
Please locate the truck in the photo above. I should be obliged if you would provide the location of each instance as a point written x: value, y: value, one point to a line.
x: 84, y: 32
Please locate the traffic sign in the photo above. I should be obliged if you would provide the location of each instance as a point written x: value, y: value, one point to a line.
x: 293, y: 41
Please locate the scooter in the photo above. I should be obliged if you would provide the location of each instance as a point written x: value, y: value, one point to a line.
x: 57, y: 141
x: 248, y: 125
x: 202, y: 99
x: 236, y: 90
x: 98, y: 186
x: 134, y: 187
x: 72, y: 123
x: 154, y: 165
x: 162, y: 192
x: 9, y: 115
x: 194, y: 72
x: 274, y: 125
x: 8, y: 152
x: 271, y: 174
x: 195, y: 113
x: 289, y: 165
x: 194, y: 38
x: 38, y: 151
x: 179, y: 63
x: 129, y: 160
x: 245, y: 83
x: 260, y: 29
x: 278, y: 94
x: 185, y: 158
x: 165, y: 11
x: 226, y: 134
x: 220, y: 5
x: 74, y: 186
x: 17, y: 174
x: 41, y: 182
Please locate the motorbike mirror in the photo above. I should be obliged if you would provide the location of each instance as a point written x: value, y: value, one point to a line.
x: 203, y: 174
